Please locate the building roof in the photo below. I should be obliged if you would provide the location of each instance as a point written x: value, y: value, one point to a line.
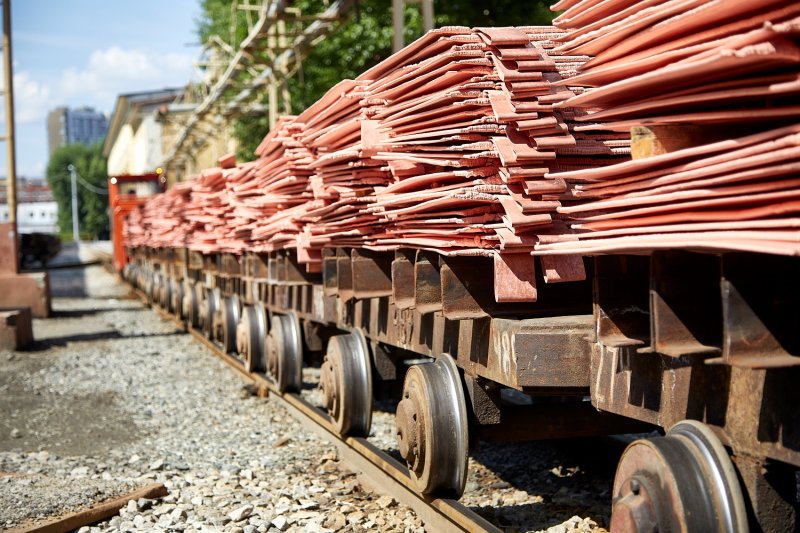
x: 129, y: 108
x: 29, y: 190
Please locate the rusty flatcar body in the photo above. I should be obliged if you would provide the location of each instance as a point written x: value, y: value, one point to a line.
x: 674, y: 336
x: 619, y: 295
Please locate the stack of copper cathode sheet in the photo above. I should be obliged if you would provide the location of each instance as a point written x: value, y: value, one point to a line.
x: 448, y: 145
x: 160, y: 223
x: 465, y: 121
x: 278, y: 189
x: 724, y: 74
x: 344, y: 178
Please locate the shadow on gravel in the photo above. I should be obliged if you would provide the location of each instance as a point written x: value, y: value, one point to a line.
x: 573, y: 477
x: 63, y: 423
x: 46, y: 344
x: 80, y: 313
x: 45, y: 417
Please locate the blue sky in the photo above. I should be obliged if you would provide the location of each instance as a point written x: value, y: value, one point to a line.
x: 86, y: 52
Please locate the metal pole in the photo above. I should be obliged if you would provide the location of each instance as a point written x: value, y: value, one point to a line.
x: 74, y: 182
x: 399, y: 24
x: 9, y: 101
x: 427, y: 15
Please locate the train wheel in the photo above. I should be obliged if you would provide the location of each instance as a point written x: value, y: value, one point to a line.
x: 250, y: 334
x: 158, y: 284
x: 165, y: 294
x: 284, y: 352
x: 127, y: 272
x: 681, y: 482
x: 432, y: 428
x: 176, y: 300
x: 147, y: 285
x: 155, y: 288
x: 191, y: 306
x: 202, y: 306
x: 230, y: 313
x: 208, y: 310
x: 346, y: 383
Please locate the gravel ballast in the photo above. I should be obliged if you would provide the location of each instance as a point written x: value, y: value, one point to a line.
x: 113, y: 398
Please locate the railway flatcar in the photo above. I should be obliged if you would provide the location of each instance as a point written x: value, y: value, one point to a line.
x: 529, y: 210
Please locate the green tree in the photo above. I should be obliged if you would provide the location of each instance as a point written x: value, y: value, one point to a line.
x: 92, y: 204
x: 356, y: 43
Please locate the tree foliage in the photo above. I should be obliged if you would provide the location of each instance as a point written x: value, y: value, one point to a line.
x: 90, y: 164
x: 357, y: 43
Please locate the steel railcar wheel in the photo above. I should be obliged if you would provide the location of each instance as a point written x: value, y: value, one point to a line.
x: 148, y: 285
x: 165, y: 292
x: 682, y: 482
x: 432, y: 428
x: 176, y: 298
x: 346, y: 383
x: 229, y: 317
x: 208, y: 309
x: 251, y: 333
x: 284, y: 352
x: 191, y: 303
x: 128, y: 272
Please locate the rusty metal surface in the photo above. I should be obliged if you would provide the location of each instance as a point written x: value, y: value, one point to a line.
x: 16, y: 331
x: 27, y: 290
x: 557, y: 420
x: 548, y: 353
x: 648, y: 363
x: 771, y: 489
x: 761, y: 312
x: 9, y: 250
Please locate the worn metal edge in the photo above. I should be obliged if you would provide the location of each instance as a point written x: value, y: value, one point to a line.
x: 93, y: 514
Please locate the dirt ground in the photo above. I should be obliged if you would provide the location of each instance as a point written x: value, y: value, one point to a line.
x: 60, y: 421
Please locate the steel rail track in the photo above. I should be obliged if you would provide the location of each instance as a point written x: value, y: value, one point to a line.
x: 384, y: 473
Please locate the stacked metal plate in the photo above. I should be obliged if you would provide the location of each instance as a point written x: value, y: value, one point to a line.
x: 449, y: 145
x: 160, y: 222
x: 465, y: 121
x: 345, y: 176
x: 715, y: 82
x: 206, y: 212
x: 278, y: 188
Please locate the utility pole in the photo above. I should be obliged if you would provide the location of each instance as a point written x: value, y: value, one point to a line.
x: 399, y: 20
x: 10, y: 264
x: 16, y: 290
x: 73, y: 178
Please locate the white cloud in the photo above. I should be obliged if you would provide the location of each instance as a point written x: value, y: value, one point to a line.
x: 109, y: 72
x: 114, y: 71
x: 31, y: 98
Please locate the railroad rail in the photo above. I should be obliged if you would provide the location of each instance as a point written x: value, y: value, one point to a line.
x: 382, y: 471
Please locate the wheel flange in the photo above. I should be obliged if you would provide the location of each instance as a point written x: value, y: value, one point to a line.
x: 346, y: 383
x: 229, y: 318
x: 431, y: 428
x: 208, y: 311
x: 681, y: 482
x: 176, y: 297
x: 283, y: 349
x: 250, y: 337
